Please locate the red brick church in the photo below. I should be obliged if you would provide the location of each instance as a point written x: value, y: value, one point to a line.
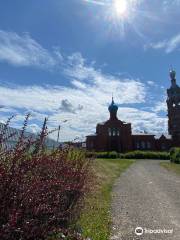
x: 116, y: 135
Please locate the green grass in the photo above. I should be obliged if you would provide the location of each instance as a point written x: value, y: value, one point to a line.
x: 172, y: 167
x: 95, y: 219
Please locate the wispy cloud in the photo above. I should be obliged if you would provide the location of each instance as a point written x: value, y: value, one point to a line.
x: 22, y: 50
x: 103, y: 85
x: 167, y: 45
x: 167, y: 4
x: 66, y: 106
x: 97, y: 2
x: 83, y: 103
x: 160, y: 107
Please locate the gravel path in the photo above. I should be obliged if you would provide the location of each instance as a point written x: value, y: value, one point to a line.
x: 146, y: 196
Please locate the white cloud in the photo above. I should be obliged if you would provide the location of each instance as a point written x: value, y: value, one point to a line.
x: 141, y: 120
x: 167, y: 4
x: 84, y: 103
x: 161, y: 107
x: 167, y: 45
x: 151, y: 83
x: 24, y: 51
x: 102, y: 85
x: 110, y: 2
x: 97, y: 2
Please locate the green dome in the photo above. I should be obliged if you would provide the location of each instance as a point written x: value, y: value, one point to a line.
x: 113, y: 107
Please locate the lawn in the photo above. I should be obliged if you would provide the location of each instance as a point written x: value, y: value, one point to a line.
x: 95, y: 220
x: 172, y: 167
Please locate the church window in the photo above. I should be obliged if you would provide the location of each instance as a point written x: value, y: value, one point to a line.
x: 137, y: 145
x: 109, y: 132
x: 114, y: 132
x: 91, y: 144
x: 163, y: 146
x: 143, y: 145
x: 148, y: 145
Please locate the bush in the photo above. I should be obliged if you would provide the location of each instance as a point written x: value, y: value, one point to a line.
x: 39, y: 190
x: 146, y: 155
x: 91, y: 154
x: 175, y: 155
x: 102, y: 155
x: 131, y: 155
x: 107, y: 155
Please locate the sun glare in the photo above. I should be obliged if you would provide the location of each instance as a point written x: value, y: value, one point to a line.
x: 120, y: 14
x: 120, y: 7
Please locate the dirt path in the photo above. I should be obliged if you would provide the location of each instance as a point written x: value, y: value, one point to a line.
x: 146, y: 196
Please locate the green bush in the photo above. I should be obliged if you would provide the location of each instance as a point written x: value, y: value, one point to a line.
x: 146, y: 155
x: 113, y: 155
x: 175, y: 155
x: 130, y: 155
x: 108, y: 155
x: 91, y: 154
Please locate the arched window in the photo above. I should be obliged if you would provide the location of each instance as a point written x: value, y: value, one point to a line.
x: 114, y: 132
x: 109, y: 132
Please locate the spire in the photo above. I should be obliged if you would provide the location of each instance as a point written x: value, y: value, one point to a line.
x: 172, y: 74
x: 112, y: 98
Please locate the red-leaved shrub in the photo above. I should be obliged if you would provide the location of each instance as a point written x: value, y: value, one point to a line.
x: 39, y: 189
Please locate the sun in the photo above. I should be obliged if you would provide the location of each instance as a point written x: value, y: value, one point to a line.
x: 120, y: 7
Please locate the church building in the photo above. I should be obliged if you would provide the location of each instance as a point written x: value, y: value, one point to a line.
x: 116, y: 135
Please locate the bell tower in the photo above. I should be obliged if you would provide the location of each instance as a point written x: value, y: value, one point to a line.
x: 173, y: 104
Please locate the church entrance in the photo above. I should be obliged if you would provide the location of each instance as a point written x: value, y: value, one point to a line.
x: 114, y: 145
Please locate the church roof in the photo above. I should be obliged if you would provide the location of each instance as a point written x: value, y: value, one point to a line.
x: 102, y: 123
x: 92, y: 135
x: 143, y: 134
x: 167, y: 136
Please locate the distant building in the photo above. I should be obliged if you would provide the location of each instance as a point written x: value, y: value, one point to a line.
x: 116, y: 135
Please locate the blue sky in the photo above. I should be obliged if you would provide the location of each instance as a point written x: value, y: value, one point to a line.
x: 64, y: 58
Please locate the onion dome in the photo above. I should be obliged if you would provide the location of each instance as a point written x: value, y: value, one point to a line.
x: 113, y: 107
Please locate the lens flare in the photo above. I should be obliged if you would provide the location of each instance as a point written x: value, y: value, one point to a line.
x: 121, y: 16
x: 120, y: 7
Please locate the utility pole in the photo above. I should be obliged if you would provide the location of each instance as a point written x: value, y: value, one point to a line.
x: 59, y: 128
